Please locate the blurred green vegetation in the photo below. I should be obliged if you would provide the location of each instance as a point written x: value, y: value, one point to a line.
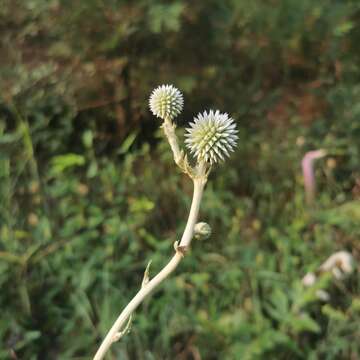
x: 89, y: 193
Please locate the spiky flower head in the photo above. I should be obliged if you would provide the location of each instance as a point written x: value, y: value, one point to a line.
x: 212, y: 136
x: 166, y: 101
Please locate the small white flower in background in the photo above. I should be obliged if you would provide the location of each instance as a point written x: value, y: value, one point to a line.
x: 309, y: 279
x: 212, y: 136
x: 322, y: 295
x: 166, y: 101
x: 340, y: 264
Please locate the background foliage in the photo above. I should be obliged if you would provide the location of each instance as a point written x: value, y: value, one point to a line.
x: 89, y: 193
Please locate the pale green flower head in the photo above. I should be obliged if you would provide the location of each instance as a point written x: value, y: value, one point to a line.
x: 212, y: 136
x: 202, y: 231
x: 166, y: 101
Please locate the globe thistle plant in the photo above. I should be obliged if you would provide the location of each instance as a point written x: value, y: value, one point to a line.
x: 212, y: 136
x: 166, y: 101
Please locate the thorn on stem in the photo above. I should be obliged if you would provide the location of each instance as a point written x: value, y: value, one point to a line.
x: 126, y: 330
x: 146, y: 277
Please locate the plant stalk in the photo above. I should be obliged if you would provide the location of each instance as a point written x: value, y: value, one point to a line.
x: 199, y: 184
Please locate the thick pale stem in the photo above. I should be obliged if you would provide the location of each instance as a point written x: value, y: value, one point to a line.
x: 199, y: 184
x: 194, y: 211
x: 169, y: 130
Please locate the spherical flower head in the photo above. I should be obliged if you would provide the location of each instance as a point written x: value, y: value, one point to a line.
x: 212, y: 136
x: 166, y: 101
x: 202, y: 231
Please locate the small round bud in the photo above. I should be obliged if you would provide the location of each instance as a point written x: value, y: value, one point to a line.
x: 202, y: 231
x: 166, y: 101
x: 212, y: 136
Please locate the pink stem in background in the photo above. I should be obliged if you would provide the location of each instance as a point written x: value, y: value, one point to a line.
x: 307, y: 164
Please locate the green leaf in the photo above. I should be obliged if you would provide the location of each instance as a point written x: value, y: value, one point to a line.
x: 305, y: 323
x: 165, y: 17
x: 126, y: 144
x: 333, y: 314
x: 61, y: 163
x: 343, y: 28
x: 88, y: 138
